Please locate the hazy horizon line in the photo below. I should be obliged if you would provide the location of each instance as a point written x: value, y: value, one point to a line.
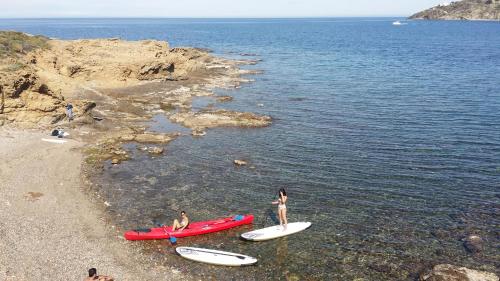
x: 249, y: 17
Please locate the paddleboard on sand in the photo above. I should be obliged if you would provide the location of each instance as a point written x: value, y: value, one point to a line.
x: 275, y: 231
x: 214, y: 256
x: 54, y: 140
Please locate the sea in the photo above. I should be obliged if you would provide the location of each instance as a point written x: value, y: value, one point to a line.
x: 386, y: 138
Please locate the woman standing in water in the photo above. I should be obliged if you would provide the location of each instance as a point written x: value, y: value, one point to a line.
x: 282, y: 207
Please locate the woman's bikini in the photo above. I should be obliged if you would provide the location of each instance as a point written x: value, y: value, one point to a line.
x: 281, y: 205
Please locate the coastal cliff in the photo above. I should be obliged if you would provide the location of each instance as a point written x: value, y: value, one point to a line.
x: 114, y: 86
x: 38, y: 76
x: 462, y: 10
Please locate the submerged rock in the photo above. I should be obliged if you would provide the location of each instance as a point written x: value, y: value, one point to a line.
x: 219, y: 118
x: 473, y: 244
x: 198, y: 133
x: 448, y: 272
x: 240, y: 162
x: 146, y: 137
x: 155, y: 150
x: 151, y: 149
x: 224, y: 98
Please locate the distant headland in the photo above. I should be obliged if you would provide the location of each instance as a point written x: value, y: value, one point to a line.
x: 462, y: 10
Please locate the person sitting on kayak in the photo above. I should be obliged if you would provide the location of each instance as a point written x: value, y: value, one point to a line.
x: 183, y: 224
x: 282, y: 207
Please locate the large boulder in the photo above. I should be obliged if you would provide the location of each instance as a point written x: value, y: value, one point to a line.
x: 448, y: 272
x: 24, y: 98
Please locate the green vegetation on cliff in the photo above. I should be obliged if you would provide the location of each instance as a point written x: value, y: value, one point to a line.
x: 13, y: 43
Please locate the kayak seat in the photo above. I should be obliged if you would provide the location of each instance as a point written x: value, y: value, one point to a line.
x: 238, y: 217
x: 145, y: 230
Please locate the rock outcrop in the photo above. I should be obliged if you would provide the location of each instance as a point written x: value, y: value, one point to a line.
x: 462, y: 10
x: 38, y: 76
x: 111, y: 147
x: 115, y: 87
x: 448, y: 272
x: 219, y: 118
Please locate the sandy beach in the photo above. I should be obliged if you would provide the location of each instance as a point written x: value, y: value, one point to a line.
x: 50, y: 228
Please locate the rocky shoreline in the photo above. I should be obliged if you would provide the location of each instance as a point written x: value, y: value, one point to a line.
x: 115, y: 88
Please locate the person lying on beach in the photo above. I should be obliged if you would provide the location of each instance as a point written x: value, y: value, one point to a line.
x: 93, y: 276
x: 183, y: 224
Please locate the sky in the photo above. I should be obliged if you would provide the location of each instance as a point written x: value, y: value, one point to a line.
x: 211, y: 8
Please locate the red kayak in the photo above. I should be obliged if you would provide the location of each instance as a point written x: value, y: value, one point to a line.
x: 194, y: 228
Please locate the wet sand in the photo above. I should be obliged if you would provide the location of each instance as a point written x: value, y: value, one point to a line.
x: 50, y: 228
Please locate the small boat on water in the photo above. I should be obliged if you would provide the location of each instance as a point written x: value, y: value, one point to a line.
x: 398, y: 23
x: 194, y: 228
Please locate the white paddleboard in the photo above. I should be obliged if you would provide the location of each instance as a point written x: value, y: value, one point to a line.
x: 214, y: 256
x: 275, y: 231
x: 54, y: 140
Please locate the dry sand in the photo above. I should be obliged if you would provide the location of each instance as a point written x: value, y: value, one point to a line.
x: 49, y: 227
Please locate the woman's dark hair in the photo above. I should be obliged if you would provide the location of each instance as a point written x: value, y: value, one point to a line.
x: 92, y: 272
x: 182, y: 212
x: 282, y: 190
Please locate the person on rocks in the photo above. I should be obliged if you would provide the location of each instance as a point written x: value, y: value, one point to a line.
x: 282, y: 198
x: 183, y: 224
x: 69, y: 111
x: 93, y: 276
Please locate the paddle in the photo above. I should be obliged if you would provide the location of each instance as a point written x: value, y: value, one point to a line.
x: 269, y: 213
x: 266, y: 214
x: 172, y: 239
x: 224, y: 254
x: 273, y: 216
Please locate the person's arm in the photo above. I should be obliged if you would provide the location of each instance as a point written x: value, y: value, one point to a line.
x: 283, y: 199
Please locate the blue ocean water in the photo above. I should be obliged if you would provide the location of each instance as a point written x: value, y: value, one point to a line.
x: 386, y: 137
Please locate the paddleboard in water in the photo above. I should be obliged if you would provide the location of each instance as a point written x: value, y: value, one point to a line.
x: 54, y: 140
x: 215, y: 257
x: 275, y: 231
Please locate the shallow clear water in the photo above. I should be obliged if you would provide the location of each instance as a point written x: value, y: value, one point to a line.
x: 386, y: 137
